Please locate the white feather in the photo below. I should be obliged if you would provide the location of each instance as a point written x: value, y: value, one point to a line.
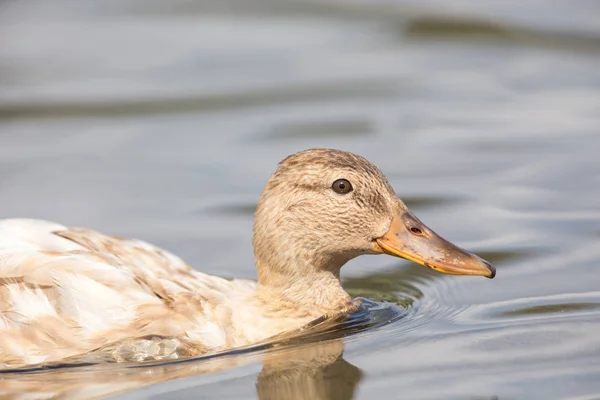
x: 28, y: 304
x: 95, y: 307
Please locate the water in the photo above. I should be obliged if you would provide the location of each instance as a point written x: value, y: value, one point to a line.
x: 163, y: 122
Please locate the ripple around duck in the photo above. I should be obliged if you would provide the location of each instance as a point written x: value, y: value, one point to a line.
x: 440, y: 294
x: 551, y: 309
x: 414, y: 288
x: 373, y: 315
x: 523, y: 310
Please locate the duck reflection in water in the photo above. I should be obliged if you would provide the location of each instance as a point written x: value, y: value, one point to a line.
x: 316, y: 372
x: 313, y: 371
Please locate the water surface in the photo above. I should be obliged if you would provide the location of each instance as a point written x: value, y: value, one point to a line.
x: 163, y: 122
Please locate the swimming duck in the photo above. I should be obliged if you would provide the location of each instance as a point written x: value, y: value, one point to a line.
x: 70, y: 291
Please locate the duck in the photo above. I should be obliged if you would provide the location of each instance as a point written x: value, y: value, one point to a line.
x: 68, y: 291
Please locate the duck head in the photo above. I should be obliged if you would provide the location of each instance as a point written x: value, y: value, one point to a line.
x: 323, y: 207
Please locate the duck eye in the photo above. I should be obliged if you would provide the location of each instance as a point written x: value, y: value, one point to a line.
x: 341, y: 186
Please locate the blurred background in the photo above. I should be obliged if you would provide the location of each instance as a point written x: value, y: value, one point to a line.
x: 162, y: 120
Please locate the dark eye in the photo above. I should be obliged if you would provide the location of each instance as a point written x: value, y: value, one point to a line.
x: 341, y: 186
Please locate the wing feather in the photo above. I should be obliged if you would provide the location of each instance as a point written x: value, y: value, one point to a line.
x: 64, y: 291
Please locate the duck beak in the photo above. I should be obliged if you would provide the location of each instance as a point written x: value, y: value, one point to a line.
x: 411, y: 239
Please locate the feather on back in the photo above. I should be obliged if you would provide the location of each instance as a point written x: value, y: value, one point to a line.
x: 67, y: 291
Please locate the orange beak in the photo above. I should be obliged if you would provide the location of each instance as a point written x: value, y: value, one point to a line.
x: 411, y: 239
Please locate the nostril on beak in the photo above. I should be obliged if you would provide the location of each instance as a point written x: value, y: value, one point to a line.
x: 416, y: 231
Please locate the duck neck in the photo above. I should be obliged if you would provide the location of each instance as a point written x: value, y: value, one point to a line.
x: 316, y: 290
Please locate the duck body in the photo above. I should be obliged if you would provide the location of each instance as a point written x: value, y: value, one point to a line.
x: 67, y: 292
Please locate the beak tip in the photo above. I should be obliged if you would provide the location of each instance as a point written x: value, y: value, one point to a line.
x: 491, y: 268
